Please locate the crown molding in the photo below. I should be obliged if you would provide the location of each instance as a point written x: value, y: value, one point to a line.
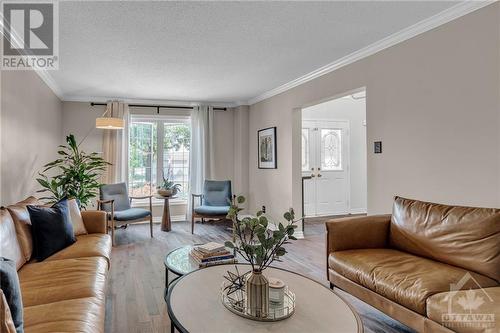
x: 49, y: 81
x: 101, y: 99
x: 425, y: 25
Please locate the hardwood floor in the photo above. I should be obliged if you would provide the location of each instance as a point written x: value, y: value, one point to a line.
x: 137, y: 275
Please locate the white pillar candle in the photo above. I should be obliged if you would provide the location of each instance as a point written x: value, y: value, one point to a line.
x: 276, y: 290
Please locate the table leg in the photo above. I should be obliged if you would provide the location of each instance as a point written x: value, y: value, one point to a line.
x: 166, y: 279
x: 165, y: 220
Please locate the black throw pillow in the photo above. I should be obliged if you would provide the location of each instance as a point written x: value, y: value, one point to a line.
x: 51, y: 228
x: 9, y: 283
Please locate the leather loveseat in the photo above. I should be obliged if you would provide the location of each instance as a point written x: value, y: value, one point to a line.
x: 435, y: 268
x: 65, y: 292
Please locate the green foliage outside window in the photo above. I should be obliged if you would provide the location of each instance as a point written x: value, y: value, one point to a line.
x: 143, y: 150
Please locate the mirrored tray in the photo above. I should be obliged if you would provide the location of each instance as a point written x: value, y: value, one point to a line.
x: 236, y: 303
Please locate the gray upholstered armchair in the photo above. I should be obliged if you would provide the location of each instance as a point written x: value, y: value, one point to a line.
x: 214, y: 202
x: 114, y: 199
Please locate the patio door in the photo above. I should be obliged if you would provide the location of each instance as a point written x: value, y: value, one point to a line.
x: 325, y: 154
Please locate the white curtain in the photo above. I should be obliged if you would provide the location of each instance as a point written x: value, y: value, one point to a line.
x: 201, y: 159
x: 114, y: 145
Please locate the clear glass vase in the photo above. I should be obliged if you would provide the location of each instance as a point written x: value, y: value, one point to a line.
x: 257, y: 294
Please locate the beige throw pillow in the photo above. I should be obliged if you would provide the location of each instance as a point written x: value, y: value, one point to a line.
x: 76, y: 218
x: 21, y: 218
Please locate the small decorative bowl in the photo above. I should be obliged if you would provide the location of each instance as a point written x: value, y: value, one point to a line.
x: 164, y: 193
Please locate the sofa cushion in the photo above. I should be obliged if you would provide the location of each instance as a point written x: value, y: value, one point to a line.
x: 9, y: 245
x: 72, y: 315
x: 22, y: 221
x: 9, y: 283
x: 462, y: 236
x: 212, y: 210
x: 53, y: 281
x: 467, y: 311
x: 52, y: 229
x: 91, y: 245
x: 401, y: 277
x: 131, y: 214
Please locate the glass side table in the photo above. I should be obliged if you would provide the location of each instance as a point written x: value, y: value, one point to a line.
x: 178, y: 262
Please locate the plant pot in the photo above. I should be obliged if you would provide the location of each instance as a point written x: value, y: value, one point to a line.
x: 164, y: 193
x: 257, y: 294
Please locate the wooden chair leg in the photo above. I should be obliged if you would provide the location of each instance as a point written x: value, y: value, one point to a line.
x: 192, y: 223
x: 151, y: 225
x: 113, y: 232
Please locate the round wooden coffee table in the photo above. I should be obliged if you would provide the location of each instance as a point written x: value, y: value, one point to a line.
x: 194, y: 305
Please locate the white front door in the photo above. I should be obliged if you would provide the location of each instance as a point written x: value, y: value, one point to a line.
x: 325, y: 154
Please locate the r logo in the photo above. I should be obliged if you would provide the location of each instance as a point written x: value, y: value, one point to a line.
x: 28, y: 29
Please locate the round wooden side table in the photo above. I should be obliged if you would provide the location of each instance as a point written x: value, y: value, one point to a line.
x: 166, y: 223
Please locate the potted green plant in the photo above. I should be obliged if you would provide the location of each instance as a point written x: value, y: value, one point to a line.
x: 260, y: 245
x: 168, y: 187
x: 77, y: 174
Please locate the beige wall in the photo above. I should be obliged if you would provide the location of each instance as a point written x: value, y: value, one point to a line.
x: 31, y: 122
x: 79, y: 119
x: 224, y: 145
x: 241, y: 151
x: 433, y: 101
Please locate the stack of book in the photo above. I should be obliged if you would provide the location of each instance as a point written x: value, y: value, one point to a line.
x: 212, y: 254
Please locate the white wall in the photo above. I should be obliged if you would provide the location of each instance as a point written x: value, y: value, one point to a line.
x: 433, y: 100
x: 31, y: 122
x: 354, y: 111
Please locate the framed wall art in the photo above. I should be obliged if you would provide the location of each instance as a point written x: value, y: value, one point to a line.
x: 267, y: 154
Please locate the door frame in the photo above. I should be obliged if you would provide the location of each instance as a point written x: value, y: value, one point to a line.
x: 296, y: 157
x: 348, y: 158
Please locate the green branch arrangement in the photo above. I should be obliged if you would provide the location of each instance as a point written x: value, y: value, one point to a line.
x: 254, y: 241
x: 77, y: 174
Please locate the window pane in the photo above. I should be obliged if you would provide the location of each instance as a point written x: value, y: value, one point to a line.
x: 331, y: 149
x: 176, y: 155
x: 142, y: 158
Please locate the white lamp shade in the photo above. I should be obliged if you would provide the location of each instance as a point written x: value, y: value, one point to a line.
x: 109, y: 123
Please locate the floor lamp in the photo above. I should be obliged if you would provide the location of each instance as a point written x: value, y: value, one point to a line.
x: 106, y: 121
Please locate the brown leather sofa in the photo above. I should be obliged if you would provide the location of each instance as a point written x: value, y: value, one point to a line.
x: 65, y: 292
x: 435, y: 268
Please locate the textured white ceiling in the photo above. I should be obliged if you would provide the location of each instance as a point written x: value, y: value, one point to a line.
x: 214, y: 51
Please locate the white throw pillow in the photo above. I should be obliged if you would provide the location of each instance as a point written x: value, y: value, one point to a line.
x: 76, y: 218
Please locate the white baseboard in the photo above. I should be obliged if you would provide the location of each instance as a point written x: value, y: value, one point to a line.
x: 358, y: 211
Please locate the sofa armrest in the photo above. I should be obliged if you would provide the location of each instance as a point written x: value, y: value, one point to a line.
x: 95, y: 221
x: 364, y: 232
